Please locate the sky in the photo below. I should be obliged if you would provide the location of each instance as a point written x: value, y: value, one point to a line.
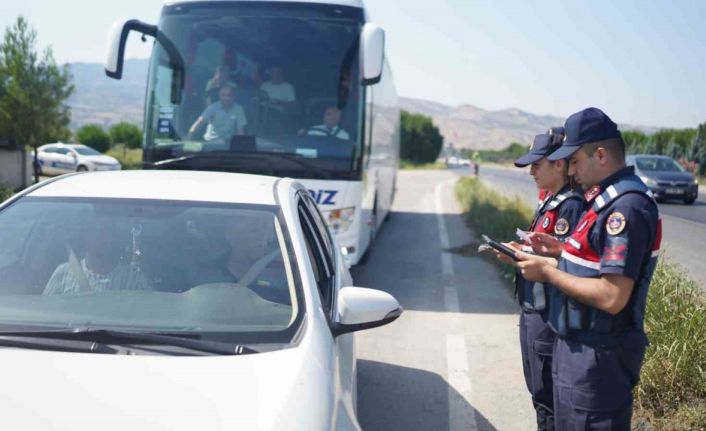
x: 642, y: 62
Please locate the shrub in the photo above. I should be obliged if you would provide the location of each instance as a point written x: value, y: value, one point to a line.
x: 126, y: 134
x: 94, y: 136
x: 5, y: 192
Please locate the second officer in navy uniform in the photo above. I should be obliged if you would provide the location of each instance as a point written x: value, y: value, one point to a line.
x: 556, y: 215
x: 598, y: 305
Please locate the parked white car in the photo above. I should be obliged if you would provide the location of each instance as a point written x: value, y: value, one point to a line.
x: 60, y: 158
x: 177, y: 300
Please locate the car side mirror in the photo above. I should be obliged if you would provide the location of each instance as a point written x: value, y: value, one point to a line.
x: 372, y: 41
x: 360, y: 308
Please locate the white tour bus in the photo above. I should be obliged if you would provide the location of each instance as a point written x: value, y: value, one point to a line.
x: 309, y: 96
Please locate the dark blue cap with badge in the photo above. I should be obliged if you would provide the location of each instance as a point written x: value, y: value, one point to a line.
x: 543, y: 145
x: 585, y: 127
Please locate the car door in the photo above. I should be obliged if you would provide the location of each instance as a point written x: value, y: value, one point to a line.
x: 328, y: 270
x: 47, y: 159
x: 66, y: 161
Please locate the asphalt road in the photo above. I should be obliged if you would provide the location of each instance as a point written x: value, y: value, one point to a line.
x: 452, y: 361
x: 684, y: 226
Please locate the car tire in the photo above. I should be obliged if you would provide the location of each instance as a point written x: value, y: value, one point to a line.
x: 81, y: 168
x: 690, y: 201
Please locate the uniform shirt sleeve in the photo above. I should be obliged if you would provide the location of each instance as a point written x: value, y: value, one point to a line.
x: 627, y: 232
x: 570, y: 212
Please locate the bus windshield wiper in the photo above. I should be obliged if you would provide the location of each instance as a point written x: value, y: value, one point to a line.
x: 112, y: 336
x: 238, y: 156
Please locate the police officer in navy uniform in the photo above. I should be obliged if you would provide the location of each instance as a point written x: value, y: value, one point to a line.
x: 599, y: 298
x: 556, y: 215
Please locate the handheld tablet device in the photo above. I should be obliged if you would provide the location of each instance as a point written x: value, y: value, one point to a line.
x: 500, y: 247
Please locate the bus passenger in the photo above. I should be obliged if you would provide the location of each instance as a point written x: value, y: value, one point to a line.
x: 221, y: 77
x: 224, y: 118
x: 330, y: 127
x: 279, y: 91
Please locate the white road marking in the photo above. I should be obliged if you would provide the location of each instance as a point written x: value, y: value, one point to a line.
x: 462, y: 414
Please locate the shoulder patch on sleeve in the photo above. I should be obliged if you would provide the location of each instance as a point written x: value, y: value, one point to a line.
x: 561, y: 227
x: 615, y: 223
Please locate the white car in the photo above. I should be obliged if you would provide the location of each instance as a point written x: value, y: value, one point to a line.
x: 177, y: 300
x: 59, y: 158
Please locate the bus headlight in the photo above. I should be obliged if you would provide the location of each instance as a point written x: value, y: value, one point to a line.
x: 341, y: 220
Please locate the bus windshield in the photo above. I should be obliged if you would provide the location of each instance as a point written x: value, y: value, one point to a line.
x: 270, y: 88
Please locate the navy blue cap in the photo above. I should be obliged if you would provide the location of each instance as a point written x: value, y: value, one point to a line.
x: 542, y: 146
x: 585, y: 127
x: 557, y: 133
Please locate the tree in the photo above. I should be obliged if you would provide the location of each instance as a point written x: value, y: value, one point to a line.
x: 94, y: 136
x: 421, y: 140
x: 126, y: 134
x: 33, y: 91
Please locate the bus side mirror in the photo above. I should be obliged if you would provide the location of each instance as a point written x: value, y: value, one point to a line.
x: 115, y: 53
x: 117, y: 38
x: 372, y: 42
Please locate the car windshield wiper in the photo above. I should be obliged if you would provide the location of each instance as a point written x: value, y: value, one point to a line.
x: 54, y: 344
x: 238, y: 156
x: 108, y: 336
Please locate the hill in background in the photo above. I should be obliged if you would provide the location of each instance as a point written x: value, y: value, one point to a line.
x: 105, y: 101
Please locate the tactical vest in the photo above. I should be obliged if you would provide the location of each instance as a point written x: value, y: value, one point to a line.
x: 531, y: 295
x: 569, y: 317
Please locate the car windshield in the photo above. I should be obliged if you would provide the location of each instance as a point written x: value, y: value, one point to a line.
x: 661, y: 164
x: 263, y: 78
x: 222, y: 271
x: 86, y: 151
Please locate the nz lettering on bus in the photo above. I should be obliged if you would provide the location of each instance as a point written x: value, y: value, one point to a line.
x: 324, y: 197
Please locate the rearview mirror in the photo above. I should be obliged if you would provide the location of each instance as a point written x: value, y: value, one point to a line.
x: 372, y: 46
x: 360, y: 308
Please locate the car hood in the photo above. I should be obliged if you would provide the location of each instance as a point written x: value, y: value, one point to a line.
x: 81, y: 391
x: 667, y: 176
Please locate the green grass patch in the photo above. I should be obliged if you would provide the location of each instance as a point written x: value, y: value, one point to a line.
x: 672, y: 390
x: 128, y: 158
x: 5, y: 192
x: 491, y: 213
x: 407, y: 165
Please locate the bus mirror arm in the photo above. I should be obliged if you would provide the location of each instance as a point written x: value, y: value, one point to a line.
x: 116, y: 52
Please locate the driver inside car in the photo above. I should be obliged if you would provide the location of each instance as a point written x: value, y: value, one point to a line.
x: 253, y: 254
x: 101, y: 269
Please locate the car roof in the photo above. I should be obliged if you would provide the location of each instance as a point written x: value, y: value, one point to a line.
x: 198, y: 186
x: 656, y: 156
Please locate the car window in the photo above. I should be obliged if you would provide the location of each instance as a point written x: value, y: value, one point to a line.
x: 220, y: 269
x: 49, y: 149
x: 658, y: 164
x: 86, y: 151
x: 63, y: 151
x: 321, y: 263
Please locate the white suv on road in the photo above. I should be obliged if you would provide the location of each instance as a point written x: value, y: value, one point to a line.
x: 59, y: 158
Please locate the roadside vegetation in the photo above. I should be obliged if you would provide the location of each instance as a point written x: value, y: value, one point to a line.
x: 129, y: 158
x: 672, y: 391
x: 420, y: 141
x: 406, y: 165
x: 507, y: 155
x: 5, y: 192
